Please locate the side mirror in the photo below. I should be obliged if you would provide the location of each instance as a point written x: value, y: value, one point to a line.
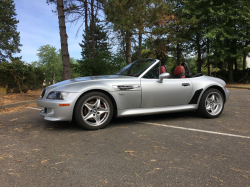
x: 162, y: 76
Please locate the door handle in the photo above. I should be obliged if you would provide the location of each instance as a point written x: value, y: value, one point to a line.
x: 185, y: 84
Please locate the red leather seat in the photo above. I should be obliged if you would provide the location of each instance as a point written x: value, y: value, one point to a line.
x: 179, y: 72
x: 162, y: 70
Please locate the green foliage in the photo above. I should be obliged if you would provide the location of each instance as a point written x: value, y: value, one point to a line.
x: 74, y: 65
x: 101, y: 42
x: 50, y: 61
x: 18, y: 73
x: 50, y: 64
x: 101, y: 65
x: 98, y: 61
x: 35, y: 79
x: 237, y: 74
x: 9, y: 37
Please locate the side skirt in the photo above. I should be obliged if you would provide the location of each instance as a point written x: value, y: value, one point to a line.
x: 155, y: 110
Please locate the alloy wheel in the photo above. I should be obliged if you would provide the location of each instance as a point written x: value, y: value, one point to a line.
x: 214, y: 103
x: 95, y: 111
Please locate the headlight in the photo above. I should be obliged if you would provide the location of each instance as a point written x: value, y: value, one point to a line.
x: 57, y: 95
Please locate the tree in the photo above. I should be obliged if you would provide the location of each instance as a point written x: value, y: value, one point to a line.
x: 99, y: 53
x: 50, y: 62
x: 216, y: 31
x: 64, y: 38
x: 100, y: 43
x: 9, y: 37
x: 120, y: 14
x: 229, y: 28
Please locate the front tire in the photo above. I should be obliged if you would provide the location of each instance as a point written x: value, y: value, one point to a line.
x: 93, y: 111
x: 211, y: 104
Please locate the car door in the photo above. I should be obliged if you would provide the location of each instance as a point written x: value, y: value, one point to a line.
x: 171, y: 92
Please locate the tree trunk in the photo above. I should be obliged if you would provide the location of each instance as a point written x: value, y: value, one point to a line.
x: 128, y: 47
x: 235, y: 64
x: 230, y: 69
x: 140, y: 42
x: 199, y: 54
x: 86, y: 26
x: 244, y: 60
x: 178, y: 54
x: 93, y: 27
x: 64, y: 42
x: 54, y: 77
x: 208, y: 60
x: 232, y: 60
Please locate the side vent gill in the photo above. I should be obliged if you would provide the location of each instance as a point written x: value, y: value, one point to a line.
x: 125, y: 87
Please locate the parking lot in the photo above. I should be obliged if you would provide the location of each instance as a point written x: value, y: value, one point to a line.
x: 179, y: 149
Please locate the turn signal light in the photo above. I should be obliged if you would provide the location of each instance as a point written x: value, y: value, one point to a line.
x: 64, y: 104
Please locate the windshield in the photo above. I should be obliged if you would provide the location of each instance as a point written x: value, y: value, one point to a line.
x: 136, y: 68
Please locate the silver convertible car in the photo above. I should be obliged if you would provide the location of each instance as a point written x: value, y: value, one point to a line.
x: 143, y: 87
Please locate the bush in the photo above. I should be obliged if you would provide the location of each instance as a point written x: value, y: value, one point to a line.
x: 237, y: 74
x: 24, y: 89
x: 35, y: 79
x: 18, y: 73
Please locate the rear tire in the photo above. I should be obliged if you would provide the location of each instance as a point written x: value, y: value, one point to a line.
x: 93, y: 111
x: 211, y: 103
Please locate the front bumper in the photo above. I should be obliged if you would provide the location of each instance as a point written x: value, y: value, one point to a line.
x: 53, y: 112
x: 226, y: 94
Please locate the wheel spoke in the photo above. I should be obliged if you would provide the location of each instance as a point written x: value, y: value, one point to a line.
x: 97, y: 118
x: 213, y: 98
x: 208, y: 100
x: 88, y: 116
x: 208, y: 107
x: 213, y: 108
x: 103, y: 110
x: 217, y: 103
x: 97, y: 103
x: 89, y: 106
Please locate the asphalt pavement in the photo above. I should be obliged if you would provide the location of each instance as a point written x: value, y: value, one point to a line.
x: 177, y: 149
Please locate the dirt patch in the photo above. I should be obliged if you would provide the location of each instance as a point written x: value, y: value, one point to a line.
x: 239, y: 85
x: 18, y: 97
x: 10, y: 110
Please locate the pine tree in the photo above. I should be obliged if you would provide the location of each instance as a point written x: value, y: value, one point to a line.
x: 101, y: 42
x: 9, y: 37
x: 95, y: 60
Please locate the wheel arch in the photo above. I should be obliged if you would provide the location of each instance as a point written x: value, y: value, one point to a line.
x: 215, y: 87
x: 98, y: 90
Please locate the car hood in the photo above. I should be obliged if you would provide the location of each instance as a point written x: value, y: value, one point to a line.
x: 90, y: 78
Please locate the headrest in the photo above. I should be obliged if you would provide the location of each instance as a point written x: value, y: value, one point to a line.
x: 179, y: 71
x: 163, y: 70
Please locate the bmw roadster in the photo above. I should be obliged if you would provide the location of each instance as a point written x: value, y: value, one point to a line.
x: 141, y: 88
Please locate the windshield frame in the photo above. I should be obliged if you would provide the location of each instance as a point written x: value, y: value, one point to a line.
x: 154, y: 61
x: 150, y: 67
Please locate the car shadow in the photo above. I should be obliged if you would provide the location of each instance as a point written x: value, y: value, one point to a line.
x: 65, y: 125
x: 61, y: 125
x: 154, y: 118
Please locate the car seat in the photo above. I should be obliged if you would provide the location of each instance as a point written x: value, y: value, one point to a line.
x: 179, y: 72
